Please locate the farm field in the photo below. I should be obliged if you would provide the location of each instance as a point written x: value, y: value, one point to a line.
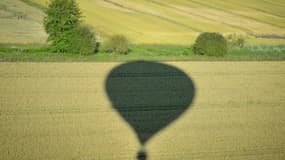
x: 180, y: 21
x: 21, y: 23
x: 154, y: 21
x: 62, y: 111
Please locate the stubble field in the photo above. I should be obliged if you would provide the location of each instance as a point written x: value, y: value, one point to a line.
x: 62, y: 111
x: 154, y: 21
x: 181, y: 21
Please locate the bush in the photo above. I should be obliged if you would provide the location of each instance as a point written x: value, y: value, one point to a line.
x: 83, y: 41
x: 117, y: 44
x: 211, y: 44
x: 235, y: 40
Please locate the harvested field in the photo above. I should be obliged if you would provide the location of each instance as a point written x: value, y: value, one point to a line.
x: 21, y: 23
x: 180, y: 21
x: 62, y: 111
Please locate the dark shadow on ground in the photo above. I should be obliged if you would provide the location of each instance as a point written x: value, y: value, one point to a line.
x: 149, y: 96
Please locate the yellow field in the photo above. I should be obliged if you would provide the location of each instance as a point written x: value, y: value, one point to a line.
x: 61, y: 111
x: 180, y: 21
x: 155, y: 21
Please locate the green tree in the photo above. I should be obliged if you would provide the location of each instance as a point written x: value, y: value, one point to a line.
x: 61, y: 21
x: 211, y: 44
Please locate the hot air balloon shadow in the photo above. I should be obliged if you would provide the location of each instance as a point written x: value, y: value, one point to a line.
x: 149, y: 96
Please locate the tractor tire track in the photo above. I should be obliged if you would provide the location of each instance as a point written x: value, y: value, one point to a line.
x: 273, y: 3
x: 258, y: 9
x: 233, y: 13
x: 153, y: 15
x: 203, y: 17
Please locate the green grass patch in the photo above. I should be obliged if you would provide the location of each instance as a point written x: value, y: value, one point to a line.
x: 41, y: 53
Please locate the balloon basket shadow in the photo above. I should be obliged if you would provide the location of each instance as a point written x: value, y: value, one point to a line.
x: 142, y: 155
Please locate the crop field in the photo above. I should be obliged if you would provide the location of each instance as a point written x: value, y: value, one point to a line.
x: 154, y: 21
x: 63, y: 111
x: 180, y: 21
x: 20, y: 23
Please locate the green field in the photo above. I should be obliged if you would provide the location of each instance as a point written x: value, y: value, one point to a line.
x: 61, y: 111
x: 32, y: 53
x: 155, y: 21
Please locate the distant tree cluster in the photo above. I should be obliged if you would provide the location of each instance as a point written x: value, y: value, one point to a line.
x: 67, y: 33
